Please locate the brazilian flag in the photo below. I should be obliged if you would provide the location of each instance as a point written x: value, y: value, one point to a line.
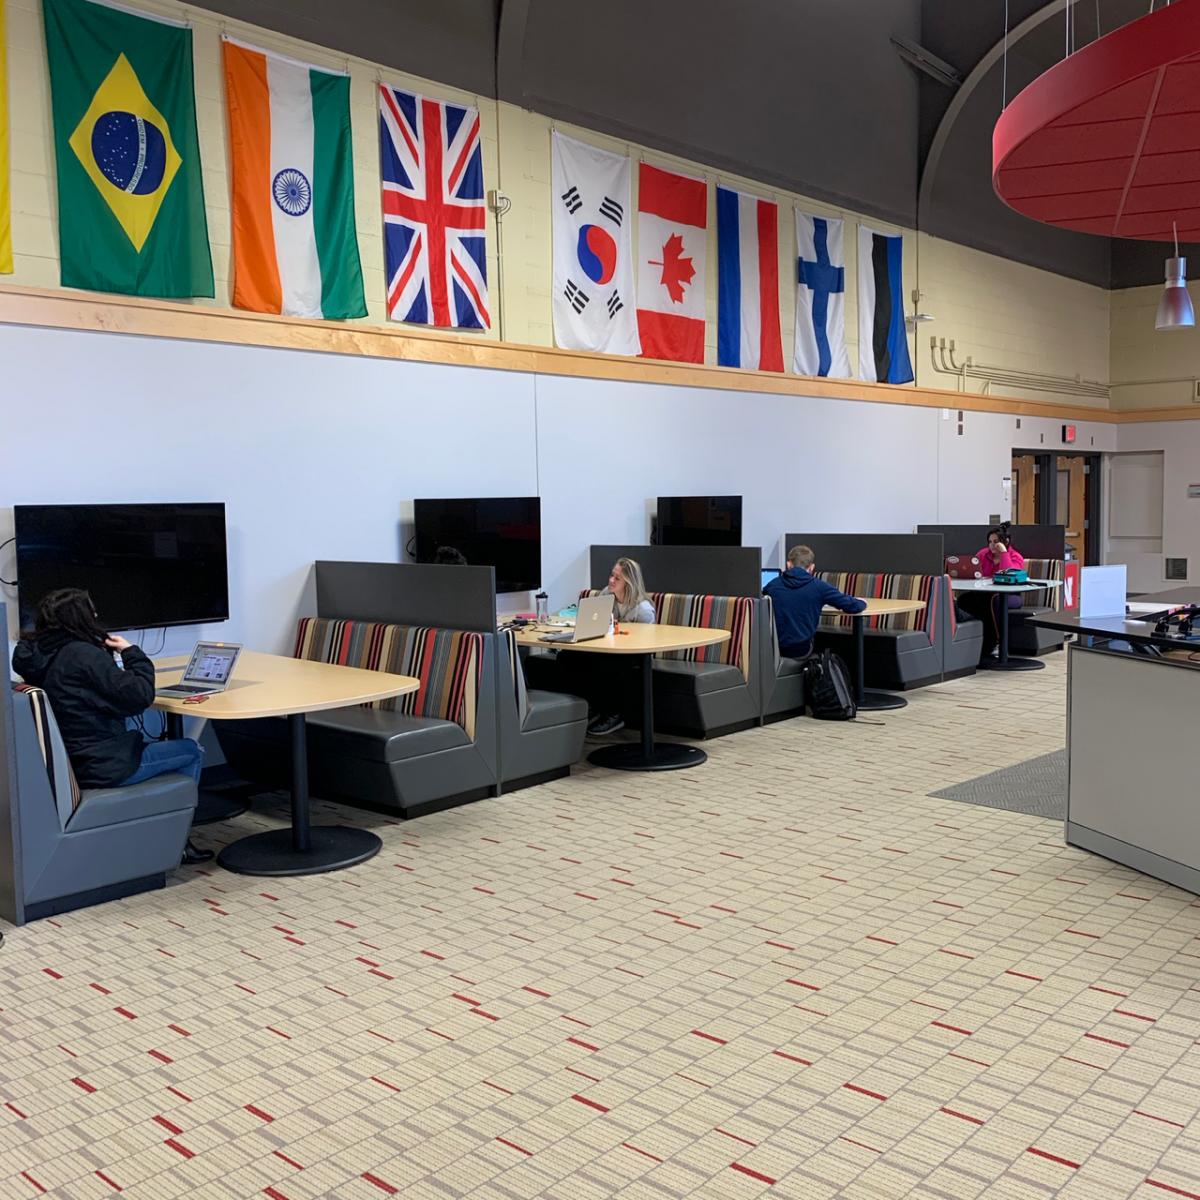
x: 130, y: 194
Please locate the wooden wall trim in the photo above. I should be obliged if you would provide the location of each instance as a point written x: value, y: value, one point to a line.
x: 66, y: 309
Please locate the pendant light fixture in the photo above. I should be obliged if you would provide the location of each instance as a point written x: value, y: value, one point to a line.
x: 1175, y: 308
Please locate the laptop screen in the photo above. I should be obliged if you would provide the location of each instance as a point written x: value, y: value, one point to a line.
x: 211, y: 663
x: 769, y: 573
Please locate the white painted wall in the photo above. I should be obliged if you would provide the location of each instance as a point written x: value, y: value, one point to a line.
x: 1180, y: 443
x: 320, y: 456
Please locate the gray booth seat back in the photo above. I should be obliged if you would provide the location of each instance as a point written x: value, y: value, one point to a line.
x: 72, y: 842
x: 782, y: 686
x: 541, y: 732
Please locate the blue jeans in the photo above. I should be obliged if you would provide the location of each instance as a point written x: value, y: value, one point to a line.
x: 159, y: 758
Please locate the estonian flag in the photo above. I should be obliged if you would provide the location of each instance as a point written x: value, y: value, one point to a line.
x: 882, y: 337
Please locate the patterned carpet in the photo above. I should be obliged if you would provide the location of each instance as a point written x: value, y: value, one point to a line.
x: 789, y: 973
x: 1037, y: 787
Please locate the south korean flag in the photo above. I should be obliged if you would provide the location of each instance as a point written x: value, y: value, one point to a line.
x: 594, y: 306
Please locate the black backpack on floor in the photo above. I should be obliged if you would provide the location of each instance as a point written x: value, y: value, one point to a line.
x: 827, y: 688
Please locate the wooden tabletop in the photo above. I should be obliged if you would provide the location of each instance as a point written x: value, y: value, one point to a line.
x: 272, y: 685
x: 633, y: 639
x: 877, y: 607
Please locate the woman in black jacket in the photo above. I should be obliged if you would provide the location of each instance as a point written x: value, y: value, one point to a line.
x: 72, y: 658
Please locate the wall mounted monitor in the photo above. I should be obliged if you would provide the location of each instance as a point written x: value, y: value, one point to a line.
x: 699, y: 520
x: 146, y: 566
x: 502, y: 532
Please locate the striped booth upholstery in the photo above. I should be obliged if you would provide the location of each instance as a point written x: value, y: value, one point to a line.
x: 59, y: 771
x: 734, y: 613
x: 1044, y: 568
x: 448, y: 662
x: 888, y: 587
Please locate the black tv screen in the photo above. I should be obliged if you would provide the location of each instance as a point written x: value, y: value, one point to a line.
x: 145, y: 565
x: 501, y: 532
x: 699, y: 520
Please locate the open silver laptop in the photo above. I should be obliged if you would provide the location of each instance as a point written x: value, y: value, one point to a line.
x: 208, y: 670
x: 592, y: 620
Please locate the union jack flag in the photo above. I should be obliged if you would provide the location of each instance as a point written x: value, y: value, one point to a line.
x: 433, y: 211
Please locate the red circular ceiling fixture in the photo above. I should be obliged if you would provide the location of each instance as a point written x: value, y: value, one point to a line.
x: 1108, y: 140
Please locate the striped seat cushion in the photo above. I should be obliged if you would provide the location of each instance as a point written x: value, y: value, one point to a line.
x: 735, y: 613
x: 448, y: 662
x: 63, y: 785
x: 887, y: 587
x: 1044, y: 568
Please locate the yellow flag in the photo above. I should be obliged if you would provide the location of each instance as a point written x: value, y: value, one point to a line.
x: 6, y: 257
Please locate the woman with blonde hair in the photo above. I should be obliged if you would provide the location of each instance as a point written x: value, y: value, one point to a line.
x: 605, y: 679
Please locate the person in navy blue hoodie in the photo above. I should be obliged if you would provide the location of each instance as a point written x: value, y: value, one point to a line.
x: 798, y: 597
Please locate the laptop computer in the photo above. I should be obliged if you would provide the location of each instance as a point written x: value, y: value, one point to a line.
x: 770, y: 573
x: 592, y: 620
x: 208, y: 671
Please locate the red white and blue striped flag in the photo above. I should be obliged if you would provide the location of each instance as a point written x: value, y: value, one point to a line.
x: 433, y: 211
x: 748, y: 282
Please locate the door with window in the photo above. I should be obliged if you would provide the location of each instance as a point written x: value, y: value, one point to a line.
x: 1024, y: 489
x: 1071, y: 502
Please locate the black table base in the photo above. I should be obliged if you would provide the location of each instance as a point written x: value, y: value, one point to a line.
x: 330, y: 848
x: 663, y: 756
x: 648, y: 755
x: 221, y: 804
x: 300, y: 850
x: 1012, y: 664
x: 876, y: 701
x: 1002, y: 662
x: 869, y: 699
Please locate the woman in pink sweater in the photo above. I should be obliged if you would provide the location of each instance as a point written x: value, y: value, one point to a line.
x: 998, y: 555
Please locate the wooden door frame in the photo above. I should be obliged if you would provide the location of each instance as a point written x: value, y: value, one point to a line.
x: 1045, y: 497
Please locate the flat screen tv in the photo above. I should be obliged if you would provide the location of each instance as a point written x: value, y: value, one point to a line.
x: 146, y: 565
x: 699, y: 520
x: 502, y: 532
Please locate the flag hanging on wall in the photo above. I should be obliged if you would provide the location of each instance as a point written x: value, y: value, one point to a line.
x: 295, y: 247
x: 130, y: 194
x: 672, y: 244
x: 820, y: 297
x: 882, y: 337
x: 593, y: 261
x: 748, y: 282
x: 6, y: 254
x: 434, y: 216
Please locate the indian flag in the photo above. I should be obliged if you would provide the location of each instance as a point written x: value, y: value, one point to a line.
x: 295, y: 246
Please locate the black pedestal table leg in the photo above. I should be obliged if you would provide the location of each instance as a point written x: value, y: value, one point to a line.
x: 869, y: 700
x: 301, y: 836
x: 647, y: 755
x: 301, y: 850
x: 1002, y: 661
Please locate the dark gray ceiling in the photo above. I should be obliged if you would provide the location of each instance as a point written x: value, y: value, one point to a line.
x: 806, y: 95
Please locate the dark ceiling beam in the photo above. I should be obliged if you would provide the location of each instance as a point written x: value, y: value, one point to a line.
x: 970, y: 85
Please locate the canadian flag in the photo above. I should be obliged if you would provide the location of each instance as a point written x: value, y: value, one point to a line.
x: 672, y: 240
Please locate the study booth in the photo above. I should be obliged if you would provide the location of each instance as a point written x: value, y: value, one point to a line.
x: 705, y: 690
x: 1044, y: 550
x: 924, y: 644
x: 472, y: 729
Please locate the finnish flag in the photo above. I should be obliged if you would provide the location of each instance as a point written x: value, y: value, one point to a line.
x: 820, y: 297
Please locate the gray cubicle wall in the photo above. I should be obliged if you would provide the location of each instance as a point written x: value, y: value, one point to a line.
x: 691, y: 570
x: 11, y: 906
x: 447, y: 597
x: 876, y: 553
x: 1033, y: 541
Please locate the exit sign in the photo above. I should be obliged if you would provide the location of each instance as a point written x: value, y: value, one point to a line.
x: 1068, y: 434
